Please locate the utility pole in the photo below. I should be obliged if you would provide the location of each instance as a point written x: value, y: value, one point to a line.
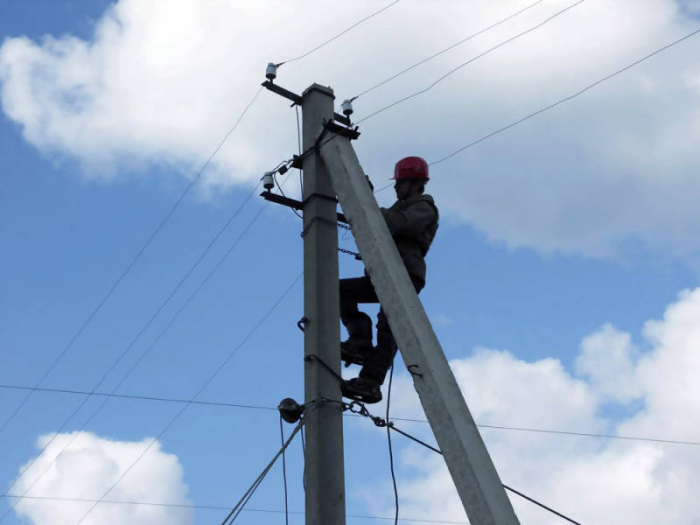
x: 331, y: 168
x: 325, y: 470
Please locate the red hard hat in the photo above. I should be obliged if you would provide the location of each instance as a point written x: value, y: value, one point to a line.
x: 411, y: 168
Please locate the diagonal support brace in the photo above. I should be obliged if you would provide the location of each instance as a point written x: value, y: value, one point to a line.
x: 467, y: 459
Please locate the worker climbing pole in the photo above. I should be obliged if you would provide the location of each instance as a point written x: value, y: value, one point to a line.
x: 413, y: 222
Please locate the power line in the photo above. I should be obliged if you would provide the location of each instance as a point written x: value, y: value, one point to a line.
x: 566, y: 99
x: 378, y: 421
x: 339, y: 34
x: 431, y: 86
x: 238, y: 508
x: 219, y: 507
x: 203, y: 387
x: 121, y: 277
x: 409, y: 420
x: 284, y: 474
x: 480, y: 32
x: 143, y: 355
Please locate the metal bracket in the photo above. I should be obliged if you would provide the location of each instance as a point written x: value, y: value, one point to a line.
x: 348, y: 132
x: 297, y: 100
x: 295, y: 204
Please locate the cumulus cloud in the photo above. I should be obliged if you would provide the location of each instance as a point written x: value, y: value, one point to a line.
x: 160, y: 83
x: 601, y: 481
x: 87, y: 468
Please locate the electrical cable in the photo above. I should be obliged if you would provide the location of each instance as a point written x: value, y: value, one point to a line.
x: 121, y: 277
x: 339, y: 34
x: 303, y: 450
x: 235, y: 512
x: 482, y: 31
x: 566, y: 99
x: 201, y: 389
x: 221, y: 507
x: 511, y: 39
x: 301, y: 178
x: 133, y: 342
x: 378, y: 421
x: 391, y: 452
x: 284, y: 474
x: 408, y: 420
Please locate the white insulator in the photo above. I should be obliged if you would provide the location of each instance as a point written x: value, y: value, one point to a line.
x: 347, y: 107
x: 268, y: 180
x: 271, y: 71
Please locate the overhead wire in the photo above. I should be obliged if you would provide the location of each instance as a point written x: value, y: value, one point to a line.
x: 391, y: 451
x: 390, y: 426
x: 325, y: 43
x: 408, y: 420
x: 221, y: 507
x: 135, y: 339
x: 201, y: 389
x: 238, y: 508
x: 435, y: 55
x: 133, y: 262
x: 284, y: 473
x: 477, y: 57
x: 566, y: 99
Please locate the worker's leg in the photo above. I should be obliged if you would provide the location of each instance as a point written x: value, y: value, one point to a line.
x: 352, y: 292
x: 378, y: 362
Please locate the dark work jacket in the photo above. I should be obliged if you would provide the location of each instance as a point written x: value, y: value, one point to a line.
x: 413, y: 224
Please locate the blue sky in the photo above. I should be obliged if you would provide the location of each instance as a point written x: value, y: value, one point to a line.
x: 549, y: 232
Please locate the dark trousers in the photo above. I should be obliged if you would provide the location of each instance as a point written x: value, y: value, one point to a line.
x: 359, y: 324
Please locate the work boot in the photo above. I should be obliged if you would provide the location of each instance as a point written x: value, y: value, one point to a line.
x: 355, y: 350
x: 363, y: 390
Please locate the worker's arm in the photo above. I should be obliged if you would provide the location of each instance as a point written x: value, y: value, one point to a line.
x: 410, y: 221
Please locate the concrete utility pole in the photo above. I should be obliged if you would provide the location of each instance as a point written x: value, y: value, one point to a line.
x: 325, y: 471
x: 467, y: 459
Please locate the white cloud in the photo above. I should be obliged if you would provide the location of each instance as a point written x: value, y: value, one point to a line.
x: 160, y: 83
x: 592, y: 480
x: 88, y: 468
